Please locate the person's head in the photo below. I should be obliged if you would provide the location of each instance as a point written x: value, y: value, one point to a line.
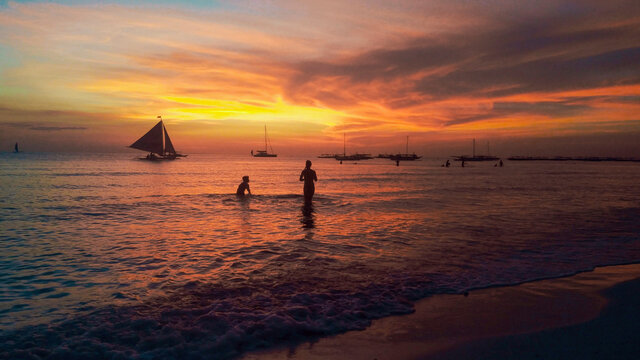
x: 245, y: 179
x: 308, y: 164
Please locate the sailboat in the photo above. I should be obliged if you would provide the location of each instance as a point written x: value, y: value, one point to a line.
x: 406, y: 155
x: 352, y: 157
x: 157, y: 142
x: 478, y: 157
x: 264, y: 153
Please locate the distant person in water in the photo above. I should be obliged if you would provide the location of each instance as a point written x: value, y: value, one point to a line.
x: 501, y: 164
x: 308, y: 176
x: 244, y: 185
x: 447, y: 164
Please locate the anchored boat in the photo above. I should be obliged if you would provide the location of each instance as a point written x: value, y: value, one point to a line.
x: 406, y: 155
x: 264, y: 153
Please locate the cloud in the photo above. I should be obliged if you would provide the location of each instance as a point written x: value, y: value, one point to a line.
x: 56, y: 128
x: 377, y: 68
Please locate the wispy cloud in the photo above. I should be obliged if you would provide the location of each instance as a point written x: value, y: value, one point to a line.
x: 437, y: 68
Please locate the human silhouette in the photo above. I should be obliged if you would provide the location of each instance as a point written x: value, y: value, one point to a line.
x: 244, y: 185
x: 447, y: 164
x: 501, y: 164
x: 308, y: 176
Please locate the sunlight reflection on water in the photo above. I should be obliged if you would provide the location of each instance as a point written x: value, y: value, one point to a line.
x: 82, y: 233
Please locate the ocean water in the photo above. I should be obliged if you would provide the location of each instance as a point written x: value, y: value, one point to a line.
x: 105, y: 256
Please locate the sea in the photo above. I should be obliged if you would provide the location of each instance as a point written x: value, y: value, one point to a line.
x: 104, y: 256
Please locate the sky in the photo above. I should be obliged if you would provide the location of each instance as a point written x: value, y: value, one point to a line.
x: 525, y: 77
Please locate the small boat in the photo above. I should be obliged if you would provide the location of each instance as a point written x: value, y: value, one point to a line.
x: 474, y: 157
x: 157, y: 143
x: 264, y: 153
x: 328, y: 156
x: 406, y: 156
x: 384, y: 156
x: 352, y: 157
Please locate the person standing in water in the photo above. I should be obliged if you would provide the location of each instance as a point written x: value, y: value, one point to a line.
x: 244, y: 185
x: 308, y: 176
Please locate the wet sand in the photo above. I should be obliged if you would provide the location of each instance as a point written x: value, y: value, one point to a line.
x: 592, y: 315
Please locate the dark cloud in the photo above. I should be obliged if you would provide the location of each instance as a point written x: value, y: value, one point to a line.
x: 612, y: 68
x: 56, y: 128
x: 504, y: 109
x: 580, y: 50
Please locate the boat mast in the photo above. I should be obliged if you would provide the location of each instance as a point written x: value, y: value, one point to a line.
x: 163, y: 130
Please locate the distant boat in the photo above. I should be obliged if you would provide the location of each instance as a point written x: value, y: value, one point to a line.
x: 157, y: 143
x: 15, y: 149
x: 570, y: 158
x: 383, y: 156
x: 352, y: 157
x: 328, y: 156
x: 474, y: 157
x: 264, y: 153
x: 406, y: 156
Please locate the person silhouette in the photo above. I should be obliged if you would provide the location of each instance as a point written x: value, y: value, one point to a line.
x: 308, y: 176
x: 244, y: 185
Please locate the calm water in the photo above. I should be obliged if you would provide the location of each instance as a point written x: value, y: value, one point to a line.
x: 115, y: 257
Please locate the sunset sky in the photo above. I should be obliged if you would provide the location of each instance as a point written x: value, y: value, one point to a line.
x: 530, y: 77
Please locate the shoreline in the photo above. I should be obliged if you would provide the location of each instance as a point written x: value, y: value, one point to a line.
x: 565, y: 317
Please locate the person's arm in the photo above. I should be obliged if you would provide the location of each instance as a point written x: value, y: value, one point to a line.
x: 248, y: 190
x: 315, y: 177
x: 302, y: 176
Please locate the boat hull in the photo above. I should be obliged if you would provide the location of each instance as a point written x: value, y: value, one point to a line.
x: 158, y: 158
x: 355, y: 157
x: 476, y: 158
x: 404, y: 157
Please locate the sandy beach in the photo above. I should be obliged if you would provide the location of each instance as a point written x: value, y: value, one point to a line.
x: 591, y: 315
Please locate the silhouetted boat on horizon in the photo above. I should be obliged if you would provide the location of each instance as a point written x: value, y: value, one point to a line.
x: 474, y: 157
x: 406, y: 156
x: 351, y: 157
x: 157, y: 143
x: 572, y: 158
x: 264, y: 153
x: 327, y: 156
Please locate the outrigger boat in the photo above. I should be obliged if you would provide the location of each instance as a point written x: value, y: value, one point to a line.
x: 157, y: 142
x: 352, y: 157
x: 406, y: 156
x: 474, y: 157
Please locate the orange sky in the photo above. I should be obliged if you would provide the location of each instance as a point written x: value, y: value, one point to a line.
x: 558, y: 77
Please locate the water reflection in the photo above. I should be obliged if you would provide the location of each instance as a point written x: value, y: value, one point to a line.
x: 308, y: 215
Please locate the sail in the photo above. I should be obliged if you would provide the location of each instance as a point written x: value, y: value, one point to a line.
x: 168, y: 146
x: 151, y: 141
